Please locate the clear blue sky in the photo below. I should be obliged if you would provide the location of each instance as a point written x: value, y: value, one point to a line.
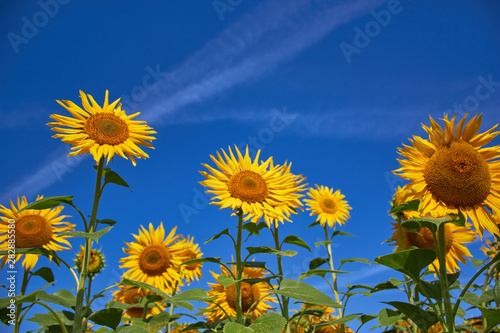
x: 350, y: 81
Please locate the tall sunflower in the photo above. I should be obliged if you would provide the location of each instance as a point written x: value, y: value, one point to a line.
x: 191, y: 272
x: 329, y: 206
x: 225, y: 298
x: 102, y: 131
x: 260, y: 190
x: 133, y: 295
x: 33, y: 229
x: 154, y: 258
x: 450, y: 169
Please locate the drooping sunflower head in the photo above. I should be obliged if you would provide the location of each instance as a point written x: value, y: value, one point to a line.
x: 133, y: 295
x: 155, y: 258
x: 33, y: 229
x: 102, y: 131
x: 256, y: 298
x: 451, y: 169
x: 96, y: 261
x: 259, y: 189
x: 328, y: 206
x: 191, y: 272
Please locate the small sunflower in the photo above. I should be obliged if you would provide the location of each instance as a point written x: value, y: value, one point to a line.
x: 329, y: 206
x: 96, y: 261
x: 33, y: 229
x: 102, y: 131
x: 451, y: 169
x: 191, y: 272
x: 260, y: 190
x: 250, y: 293
x: 133, y: 295
x: 154, y: 258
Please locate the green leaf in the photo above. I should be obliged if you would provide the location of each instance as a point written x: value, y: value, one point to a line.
x: 268, y: 323
x: 236, y: 328
x: 317, y: 262
x: 341, y: 233
x: 423, y: 319
x: 107, y: 222
x: 118, y: 305
x: 476, y: 262
x: 51, y: 254
x: 257, y: 280
x: 388, y: 317
x: 269, y: 250
x: 296, y: 240
x: 496, y: 292
x: 319, y: 272
x: 6, y: 301
x: 111, y: 177
x: 90, y: 235
x: 49, y: 202
x: 45, y: 273
x: 342, y: 320
x: 226, y: 280
x: 470, y: 298
x: 61, y: 297
x: 48, y: 319
x: 433, y: 223
x: 412, y: 205
x: 107, y: 317
x: 363, y: 260
x: 201, y: 260
x: 254, y: 228
x: 396, y: 282
x: 223, y: 232
x: 409, y: 262
x: 197, y: 294
x: 313, y: 224
x: 487, y: 296
x: 159, y: 321
x: 131, y: 329
x: 198, y: 325
x: 366, y: 318
x: 133, y: 283
x: 492, y: 316
x: 324, y: 243
x: 303, y: 292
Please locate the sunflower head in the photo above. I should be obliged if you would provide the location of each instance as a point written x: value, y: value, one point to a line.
x: 96, y: 261
x: 133, y: 295
x: 33, y: 229
x: 328, y: 206
x: 452, y: 170
x: 102, y: 131
x: 258, y: 189
x: 191, y: 272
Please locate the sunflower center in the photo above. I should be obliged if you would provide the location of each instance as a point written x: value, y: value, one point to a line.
x: 154, y: 260
x: 458, y: 175
x: 248, y: 186
x: 33, y: 231
x: 249, y: 295
x: 422, y: 238
x: 105, y: 128
x: 191, y: 255
x: 132, y: 296
x: 327, y: 205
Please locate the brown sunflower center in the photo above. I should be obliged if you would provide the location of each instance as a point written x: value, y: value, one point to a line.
x: 327, y: 205
x: 106, y: 128
x: 458, y: 175
x: 154, y: 260
x: 190, y: 255
x: 248, y: 186
x: 33, y: 231
x: 422, y: 238
x: 249, y: 295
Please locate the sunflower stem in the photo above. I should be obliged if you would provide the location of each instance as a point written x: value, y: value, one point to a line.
x: 171, y: 312
x: 61, y: 324
x: 239, y: 268
x: 441, y: 251
x: 280, y: 272
x: 80, y: 295
x: 332, y: 267
x: 24, y: 285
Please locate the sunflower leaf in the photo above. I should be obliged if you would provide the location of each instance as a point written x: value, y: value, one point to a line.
x: 388, y: 317
x: 313, y: 224
x: 51, y: 254
x: 319, y: 272
x: 496, y: 292
x: 49, y: 202
x: 45, y: 273
x: 269, y: 250
x: 296, y: 240
x: 131, y: 329
x: 236, y: 328
x: 492, y: 316
x: 268, y: 323
x: 197, y: 294
x: 107, y: 317
x: 107, y: 222
x: 90, y: 235
x: 412, y: 205
x: 223, y: 232
x: 342, y: 320
x: 303, y: 292
x: 254, y: 228
x: 48, y: 319
x: 317, y: 262
x: 201, y: 260
x: 61, y: 297
x: 226, y: 280
x: 423, y: 319
x: 409, y: 262
x: 433, y: 223
x: 363, y: 260
x: 111, y: 177
x: 338, y: 232
x: 132, y: 283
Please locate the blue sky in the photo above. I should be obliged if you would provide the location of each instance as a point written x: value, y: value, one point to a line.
x: 334, y: 87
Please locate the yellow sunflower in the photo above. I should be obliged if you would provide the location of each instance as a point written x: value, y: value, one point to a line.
x: 490, y: 249
x: 33, y: 229
x: 102, y: 131
x: 154, y: 258
x: 329, y: 206
x: 250, y: 293
x: 133, y: 295
x: 191, y: 272
x: 96, y: 261
x: 450, y: 169
x: 260, y: 190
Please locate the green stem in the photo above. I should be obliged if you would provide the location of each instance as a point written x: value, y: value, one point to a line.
x: 285, y: 300
x: 443, y: 279
x: 61, y: 324
x: 171, y: 312
x: 239, y: 268
x: 334, y: 276
x: 24, y: 285
x: 80, y: 294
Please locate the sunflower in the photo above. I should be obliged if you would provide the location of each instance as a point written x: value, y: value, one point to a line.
x: 133, y: 295
x: 225, y: 298
x: 180, y: 328
x: 258, y: 189
x: 191, y: 272
x: 96, y: 261
x: 154, y: 258
x: 102, y: 131
x: 33, y: 229
x: 450, y: 169
x: 329, y: 206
